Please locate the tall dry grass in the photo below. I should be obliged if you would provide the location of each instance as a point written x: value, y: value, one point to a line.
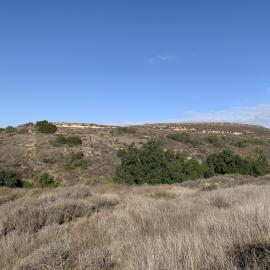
x: 136, y: 228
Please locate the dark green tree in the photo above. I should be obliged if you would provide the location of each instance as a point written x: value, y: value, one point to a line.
x: 46, y: 180
x: 10, y: 179
x: 228, y: 162
x: 46, y: 127
x: 70, y: 141
x: 10, y: 129
x: 153, y: 165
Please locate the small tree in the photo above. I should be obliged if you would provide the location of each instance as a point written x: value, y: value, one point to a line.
x: 71, y: 141
x: 10, y: 179
x: 183, y: 138
x: 215, y: 140
x: 46, y: 180
x: 227, y: 162
x: 126, y: 130
x: 46, y: 127
x: 77, y: 160
x: 10, y: 129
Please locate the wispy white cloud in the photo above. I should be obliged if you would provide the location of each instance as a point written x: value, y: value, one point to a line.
x: 254, y: 115
x: 159, y: 58
x: 257, y: 115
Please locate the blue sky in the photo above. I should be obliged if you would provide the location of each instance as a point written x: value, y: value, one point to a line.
x: 134, y: 61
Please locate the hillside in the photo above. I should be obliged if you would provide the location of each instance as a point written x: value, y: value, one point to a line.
x: 29, y: 152
x: 215, y: 223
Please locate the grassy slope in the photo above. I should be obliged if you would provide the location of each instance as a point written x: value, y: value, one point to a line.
x: 120, y: 227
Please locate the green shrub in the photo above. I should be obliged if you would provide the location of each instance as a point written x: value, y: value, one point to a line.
x: 77, y: 160
x: 10, y: 179
x: 151, y: 164
x: 10, y: 129
x: 246, y: 142
x: 183, y: 137
x: 227, y: 162
x: 46, y: 180
x: 215, y: 140
x: 46, y: 127
x: 259, y: 163
x: 126, y: 130
x: 27, y: 184
x: 71, y: 141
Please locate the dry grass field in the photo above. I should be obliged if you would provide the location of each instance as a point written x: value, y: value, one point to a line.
x: 110, y: 226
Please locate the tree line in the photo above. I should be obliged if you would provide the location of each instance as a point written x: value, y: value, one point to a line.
x: 153, y: 165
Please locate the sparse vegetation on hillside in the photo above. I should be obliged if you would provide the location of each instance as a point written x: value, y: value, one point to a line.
x: 70, y: 141
x: 46, y: 127
x: 77, y: 160
x: 246, y: 142
x: 126, y: 130
x: 215, y: 140
x: 29, y: 152
x: 45, y: 180
x: 10, y: 129
x: 184, y: 138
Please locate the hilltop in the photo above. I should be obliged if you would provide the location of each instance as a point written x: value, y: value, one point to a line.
x: 29, y: 152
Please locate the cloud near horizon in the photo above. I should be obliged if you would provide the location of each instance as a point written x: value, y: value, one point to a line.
x: 159, y: 58
x: 256, y: 115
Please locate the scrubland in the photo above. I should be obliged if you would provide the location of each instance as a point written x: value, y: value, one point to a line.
x: 145, y: 227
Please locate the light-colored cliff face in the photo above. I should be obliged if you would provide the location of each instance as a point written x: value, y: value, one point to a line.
x: 81, y: 125
x: 198, y: 130
x: 211, y: 128
x: 221, y: 132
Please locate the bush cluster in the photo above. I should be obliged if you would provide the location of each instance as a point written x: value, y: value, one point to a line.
x: 46, y: 127
x: 246, y: 142
x: 153, y: 165
x: 126, y: 130
x: 183, y: 137
x: 77, y: 160
x: 71, y: 141
x: 215, y: 140
x: 10, y: 129
x: 46, y: 180
x: 10, y: 179
x: 227, y: 162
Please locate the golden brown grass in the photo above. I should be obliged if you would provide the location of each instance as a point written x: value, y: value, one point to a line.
x: 136, y: 228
